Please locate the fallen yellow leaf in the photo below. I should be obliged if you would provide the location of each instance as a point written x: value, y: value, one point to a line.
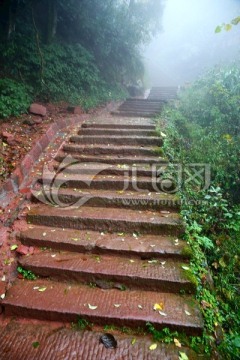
x: 153, y: 347
x: 177, y: 343
x: 158, y: 307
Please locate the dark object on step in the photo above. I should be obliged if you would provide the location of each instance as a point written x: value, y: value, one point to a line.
x: 109, y: 341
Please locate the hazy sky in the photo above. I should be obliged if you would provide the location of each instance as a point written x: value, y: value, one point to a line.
x: 188, y: 45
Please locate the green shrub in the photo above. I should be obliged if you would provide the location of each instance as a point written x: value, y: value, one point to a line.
x: 203, y: 127
x: 14, y: 98
x: 59, y: 72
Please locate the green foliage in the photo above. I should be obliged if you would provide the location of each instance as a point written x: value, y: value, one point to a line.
x: 83, y: 52
x: 227, y: 27
x: 14, y: 98
x: 27, y: 274
x: 203, y: 127
x: 82, y: 324
x: 198, y: 344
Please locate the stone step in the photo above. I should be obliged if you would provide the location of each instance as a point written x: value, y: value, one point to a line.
x: 132, y: 105
x: 67, y: 302
x: 60, y: 342
x: 135, y: 113
x: 117, y: 140
x: 109, y: 272
x: 116, y: 132
x: 108, y: 198
x: 137, y: 125
x: 110, y: 150
x: 113, y: 159
x: 107, y: 182
x: 107, y: 219
x: 144, y: 246
x: 76, y: 167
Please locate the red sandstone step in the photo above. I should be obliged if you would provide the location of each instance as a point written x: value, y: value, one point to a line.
x: 107, y: 219
x: 121, y: 244
x: 66, y: 302
x: 135, y: 113
x: 107, y: 169
x: 59, y: 342
x: 138, y: 125
x: 110, y: 150
x: 113, y: 159
x: 109, y: 198
x: 117, y: 140
x: 108, y: 182
x: 116, y: 132
x: 108, y: 271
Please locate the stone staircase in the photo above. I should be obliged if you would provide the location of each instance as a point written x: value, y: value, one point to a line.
x: 112, y: 250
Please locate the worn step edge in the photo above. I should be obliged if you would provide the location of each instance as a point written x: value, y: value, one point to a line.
x: 105, y: 271
x: 108, y: 159
x: 116, y: 132
x: 106, y: 219
x: 104, y: 150
x: 116, y: 140
x: 62, y: 302
x: 107, y: 169
x: 107, y: 182
x: 121, y: 244
x: 104, y: 198
x: 137, y: 126
x: 59, y: 342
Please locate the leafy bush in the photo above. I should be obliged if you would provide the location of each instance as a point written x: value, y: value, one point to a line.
x: 14, y: 98
x: 203, y: 127
x: 58, y: 72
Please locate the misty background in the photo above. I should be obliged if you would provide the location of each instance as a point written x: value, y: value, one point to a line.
x: 188, y: 44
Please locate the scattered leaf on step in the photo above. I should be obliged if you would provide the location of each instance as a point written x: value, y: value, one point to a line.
x: 75, y: 239
x: 162, y: 313
x: 120, y: 192
x: 2, y: 296
x: 140, y: 307
x: 131, y: 261
x: 153, y: 347
x: 163, y: 263
x: 14, y: 247
x: 177, y: 343
x: 185, y: 267
x: 42, y: 289
x: 3, y: 278
x: 35, y: 344
x: 109, y: 341
x: 117, y: 305
x: 36, y: 288
x: 158, y: 307
x: 183, y: 356
x: 135, y: 235
x: 92, y: 307
x: 152, y: 246
x: 133, y: 341
x: 120, y: 234
x: 187, y: 313
x: 162, y: 134
x: 44, y: 234
x: 53, y: 256
x: 152, y: 261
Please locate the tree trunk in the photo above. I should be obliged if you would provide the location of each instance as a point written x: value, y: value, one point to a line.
x: 52, y: 20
